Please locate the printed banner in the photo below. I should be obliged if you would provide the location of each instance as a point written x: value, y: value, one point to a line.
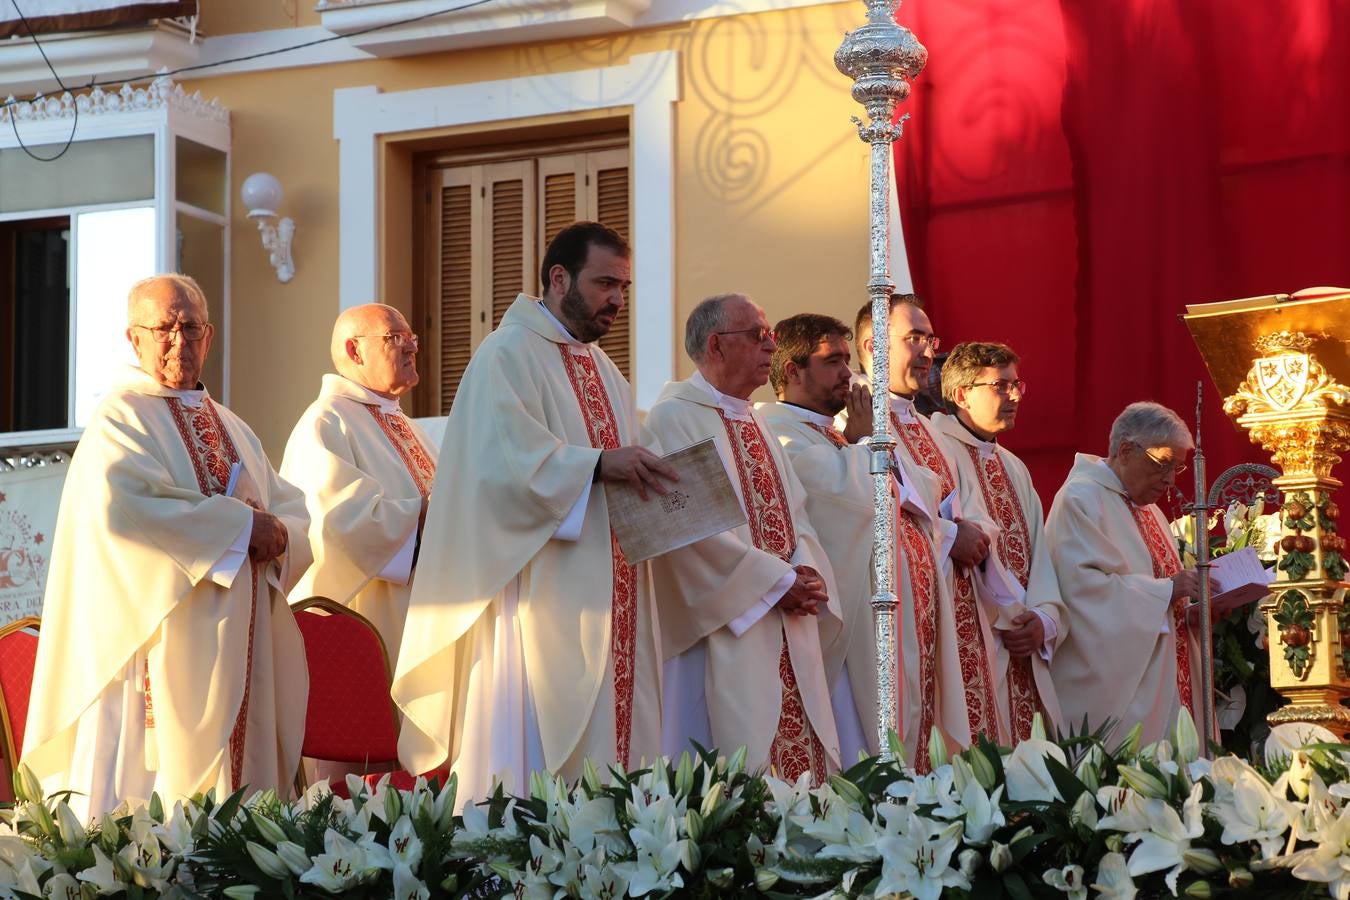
x: 28, y: 503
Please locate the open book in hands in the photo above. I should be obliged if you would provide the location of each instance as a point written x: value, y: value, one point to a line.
x: 1240, y: 579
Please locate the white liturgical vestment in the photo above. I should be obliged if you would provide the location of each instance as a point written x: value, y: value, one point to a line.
x: 530, y: 641
x: 168, y: 661
x: 1121, y: 659
x: 763, y: 683
x: 998, y: 496
x: 364, y: 469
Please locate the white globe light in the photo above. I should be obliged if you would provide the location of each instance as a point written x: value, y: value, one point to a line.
x: 261, y: 193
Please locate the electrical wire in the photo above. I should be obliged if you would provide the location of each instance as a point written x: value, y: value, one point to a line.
x: 225, y: 62
x: 75, y: 123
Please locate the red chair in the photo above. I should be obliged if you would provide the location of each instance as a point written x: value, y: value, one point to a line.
x: 350, y: 717
x: 18, y: 653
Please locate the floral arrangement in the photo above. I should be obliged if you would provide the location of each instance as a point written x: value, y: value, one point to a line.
x: 1064, y: 819
x: 1243, y: 695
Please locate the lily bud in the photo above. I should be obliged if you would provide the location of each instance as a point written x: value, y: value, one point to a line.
x: 1186, y: 737
x: 1038, y: 727
x: 1000, y: 857
x: 1240, y: 878
x: 736, y: 764
x: 271, y: 864
x: 72, y: 832
x: 896, y: 748
x: 969, y: 862
x: 295, y: 857
x: 1089, y: 768
x: 1084, y: 812
x: 393, y: 805
x: 122, y: 869
x: 765, y: 879
x: 961, y: 774
x: 1200, y: 860
x: 982, y: 768
x: 42, y: 816
x: 270, y: 830
x: 693, y: 825
x: 847, y: 790
x: 538, y: 787
x: 590, y: 777
x: 1143, y: 782
x: 684, y: 775
x: 690, y: 856
x: 26, y: 785
x: 1199, y: 889
x: 1131, y: 745
x: 241, y: 891
x: 937, y: 748
x: 712, y: 799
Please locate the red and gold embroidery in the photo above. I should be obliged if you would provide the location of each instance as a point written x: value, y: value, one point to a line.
x: 920, y: 565
x: 409, y: 449
x: 925, y: 451
x: 1014, y: 549
x: 213, y: 453
x: 603, y: 429
x: 831, y: 434
x: 795, y: 748
x: 1166, y: 563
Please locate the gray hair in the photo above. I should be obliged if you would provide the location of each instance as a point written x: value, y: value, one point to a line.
x: 707, y: 317
x: 185, y: 285
x: 1148, y: 424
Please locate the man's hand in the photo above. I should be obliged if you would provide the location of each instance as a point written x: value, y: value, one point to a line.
x: 268, y: 540
x: 859, y: 408
x: 806, y: 595
x: 1027, y: 637
x: 970, y: 547
x: 638, y: 466
x: 1186, y: 584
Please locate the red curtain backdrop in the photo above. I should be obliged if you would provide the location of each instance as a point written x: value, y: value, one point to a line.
x: 1076, y: 171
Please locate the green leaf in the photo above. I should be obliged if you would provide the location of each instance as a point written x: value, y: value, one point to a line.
x: 1016, y: 887
x: 1065, y: 781
x: 1020, y: 848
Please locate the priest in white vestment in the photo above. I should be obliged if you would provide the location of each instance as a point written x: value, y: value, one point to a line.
x: 964, y: 658
x: 812, y: 379
x: 530, y: 642
x: 366, y: 472
x: 1130, y: 653
x: 1016, y: 584
x: 169, y: 660
x: 747, y: 614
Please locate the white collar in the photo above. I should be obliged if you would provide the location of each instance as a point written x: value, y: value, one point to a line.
x: 732, y: 406
x: 362, y: 394
x: 809, y: 416
x: 191, y: 399
x: 903, y: 408
x: 562, y: 329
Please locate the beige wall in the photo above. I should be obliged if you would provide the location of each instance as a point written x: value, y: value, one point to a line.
x: 770, y: 181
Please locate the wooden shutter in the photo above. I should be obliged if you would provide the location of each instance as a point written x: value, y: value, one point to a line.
x: 510, y: 254
x: 454, y: 332
x: 607, y: 202
x: 562, y: 197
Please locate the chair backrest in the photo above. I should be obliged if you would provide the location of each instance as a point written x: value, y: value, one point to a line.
x: 1245, y: 482
x: 350, y: 716
x: 18, y: 653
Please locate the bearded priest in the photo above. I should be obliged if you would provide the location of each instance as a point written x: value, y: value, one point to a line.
x: 1016, y: 584
x: 169, y: 661
x: 530, y: 642
x: 1129, y: 654
x: 745, y: 613
x: 969, y: 706
x: 366, y: 471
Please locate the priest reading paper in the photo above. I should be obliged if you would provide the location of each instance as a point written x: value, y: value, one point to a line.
x: 812, y: 379
x: 965, y: 698
x: 169, y: 660
x: 1016, y: 584
x: 1129, y: 653
x: 744, y: 613
x: 530, y: 641
x: 366, y: 472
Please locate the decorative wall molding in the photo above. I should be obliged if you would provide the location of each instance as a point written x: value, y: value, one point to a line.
x: 85, y: 56
x: 648, y: 84
x: 162, y: 93
x: 382, y: 28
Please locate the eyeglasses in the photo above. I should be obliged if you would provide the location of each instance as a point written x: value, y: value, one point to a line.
x: 396, y: 339
x: 191, y: 331
x: 760, y: 334
x: 1175, y: 466
x: 930, y: 341
x: 1003, y: 387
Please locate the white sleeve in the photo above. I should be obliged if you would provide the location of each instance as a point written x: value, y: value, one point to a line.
x: 570, y: 529
x: 399, y: 568
x: 227, y: 567
x: 1051, y: 630
x: 742, y: 623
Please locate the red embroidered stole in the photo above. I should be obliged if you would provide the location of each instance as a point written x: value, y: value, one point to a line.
x: 916, y: 554
x: 971, y: 652
x: 603, y: 429
x: 213, y: 453
x: 795, y: 748
x: 409, y: 449
x: 1163, y: 552
x: 1014, y: 549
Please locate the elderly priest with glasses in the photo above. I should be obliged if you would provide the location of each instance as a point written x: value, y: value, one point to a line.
x: 169, y: 660
x: 1129, y: 654
x: 366, y: 471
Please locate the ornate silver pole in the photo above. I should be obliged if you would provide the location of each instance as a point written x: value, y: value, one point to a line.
x: 882, y: 58
x: 1200, y: 510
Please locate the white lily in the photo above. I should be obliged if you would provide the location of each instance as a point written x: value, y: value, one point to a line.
x: 404, y: 847
x: 595, y: 823
x: 1329, y: 861
x: 857, y: 842
x: 1113, y: 879
x: 408, y: 886
x: 1026, y: 774
x: 601, y: 882
x: 918, y: 859
x: 271, y: 864
x: 176, y: 832
x: 936, y: 789
x: 343, y: 864
x: 103, y: 874
x: 1251, y: 812
x: 61, y: 886
x: 983, y: 813
x: 1069, y: 880
x: 1167, y: 841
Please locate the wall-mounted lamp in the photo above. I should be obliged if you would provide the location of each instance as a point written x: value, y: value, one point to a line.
x: 261, y: 194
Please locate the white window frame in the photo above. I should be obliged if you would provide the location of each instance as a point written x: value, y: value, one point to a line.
x: 648, y: 85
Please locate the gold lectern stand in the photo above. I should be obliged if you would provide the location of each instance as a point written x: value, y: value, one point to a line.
x: 1282, y: 363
